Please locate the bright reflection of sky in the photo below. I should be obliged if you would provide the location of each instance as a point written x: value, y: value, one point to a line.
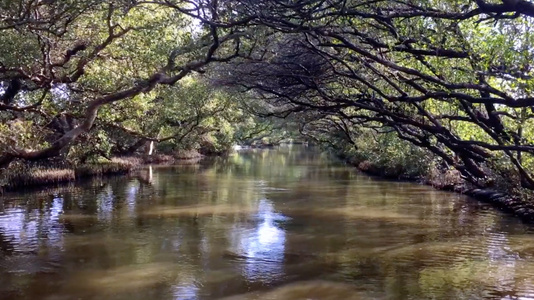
x: 263, y: 246
x: 17, y: 229
x: 504, y: 265
x: 26, y: 230
x: 131, y: 196
x: 185, y: 292
x: 105, y: 204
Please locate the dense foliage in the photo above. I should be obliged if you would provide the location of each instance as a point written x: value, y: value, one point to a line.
x: 452, y: 78
x: 445, y: 82
x: 95, y: 78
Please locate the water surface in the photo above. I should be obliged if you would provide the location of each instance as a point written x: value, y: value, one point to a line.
x: 288, y: 223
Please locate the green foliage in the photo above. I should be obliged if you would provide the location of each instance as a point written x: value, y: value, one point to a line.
x: 377, y: 80
x: 385, y: 154
x: 133, y: 62
x: 392, y: 156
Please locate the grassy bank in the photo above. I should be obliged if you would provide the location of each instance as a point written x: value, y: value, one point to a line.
x: 21, y: 174
x: 393, y: 159
x: 517, y: 204
x: 25, y: 174
x: 421, y: 171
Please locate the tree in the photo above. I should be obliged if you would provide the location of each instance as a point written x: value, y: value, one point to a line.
x: 453, y: 79
x: 68, y: 60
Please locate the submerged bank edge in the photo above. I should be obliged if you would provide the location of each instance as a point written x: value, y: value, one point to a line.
x: 503, y: 201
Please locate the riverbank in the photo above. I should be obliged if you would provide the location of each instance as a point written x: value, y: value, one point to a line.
x: 450, y: 180
x: 21, y: 175
x: 317, y: 214
x: 48, y: 173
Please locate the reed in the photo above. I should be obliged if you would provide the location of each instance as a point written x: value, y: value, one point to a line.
x: 162, y: 159
x: 187, y: 154
x: 24, y: 175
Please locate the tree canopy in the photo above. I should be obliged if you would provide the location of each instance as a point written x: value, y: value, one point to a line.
x: 70, y: 67
x: 453, y: 78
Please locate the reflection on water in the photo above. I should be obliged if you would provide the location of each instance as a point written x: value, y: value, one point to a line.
x: 261, y: 245
x: 287, y: 223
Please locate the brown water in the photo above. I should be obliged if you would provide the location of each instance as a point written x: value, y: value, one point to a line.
x: 271, y: 224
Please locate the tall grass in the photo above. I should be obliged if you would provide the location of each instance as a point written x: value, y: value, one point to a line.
x: 23, y: 174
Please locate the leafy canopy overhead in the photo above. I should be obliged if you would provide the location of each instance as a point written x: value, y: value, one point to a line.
x: 454, y: 78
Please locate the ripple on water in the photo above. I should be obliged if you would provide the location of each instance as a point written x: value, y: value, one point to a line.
x: 199, y: 210
x: 273, y: 225
x: 305, y: 290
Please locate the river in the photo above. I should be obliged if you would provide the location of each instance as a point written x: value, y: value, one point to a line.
x: 287, y: 223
